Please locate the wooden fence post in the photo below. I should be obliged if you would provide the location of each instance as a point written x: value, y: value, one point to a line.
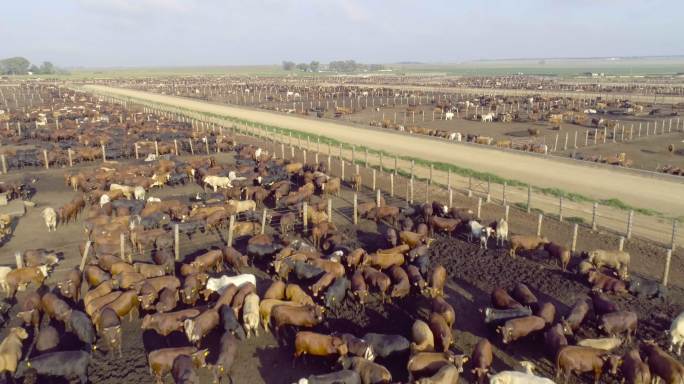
x: 342, y: 169
x: 305, y: 217
x: 231, y: 227
x: 378, y: 197
x: 489, y: 189
x: 594, y: 214
x: 674, y: 234
x: 84, y: 257
x: 621, y: 243
x: 45, y: 159
x: 448, y: 178
x: 192, y: 149
x: 560, y: 208
x: 135, y: 148
x: 330, y: 219
x: 540, y: 218
x: 529, y: 198
x: 427, y: 191
x: 175, y: 147
x: 479, y: 207
x: 18, y: 260
x: 411, y: 190
x: 451, y: 198
x: 666, y: 272
x: 176, y: 242
x: 4, y: 163
x: 304, y: 155
x: 506, y: 211
x: 104, y: 153
x: 396, y: 170
x: 575, y: 229
x: 391, y: 184
x: 206, y: 144
x: 630, y: 222
x: 263, y: 221
x: 355, y: 214
x: 373, y: 179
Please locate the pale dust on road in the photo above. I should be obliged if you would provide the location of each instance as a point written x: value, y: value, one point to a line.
x: 663, y: 195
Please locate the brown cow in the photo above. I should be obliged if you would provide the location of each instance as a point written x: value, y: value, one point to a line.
x: 423, y: 339
x: 234, y: 258
x: 377, y: 279
x: 191, y: 288
x: 294, y: 292
x: 23, y: 276
x: 200, y: 326
x: 634, y: 370
x: 267, y: 305
x: 316, y: 344
x: 604, y: 283
x: 30, y: 306
x: 662, y: 365
x: 149, y: 270
x: 415, y: 277
x: 522, y: 294
x: 482, y: 359
x: 546, y: 311
x: 168, y: 300
x: 126, y: 304
x: 121, y: 267
x: 441, y: 332
x: 54, y: 307
x: 383, y: 260
x: 71, y: 286
x: 165, y: 323
x: 437, y: 281
x: 442, y: 224
x: 502, y: 300
x: 525, y: 242
x: 329, y: 266
x: 211, y: 259
x: 240, y: 296
x: 275, y: 291
x: 96, y: 292
x: 127, y: 280
x: 615, y: 323
x: 354, y: 257
x: 584, y: 359
x: 402, y: 286
x: 428, y: 363
x: 95, y: 276
x: 559, y: 252
x: 160, y: 361
x: 359, y: 287
x: 515, y: 329
x: 226, y: 297
x: 109, y: 328
x: 577, y: 315
x: 439, y: 305
x: 101, y: 301
x: 369, y: 371
x: 322, y: 283
x: 306, y: 316
x: 554, y: 340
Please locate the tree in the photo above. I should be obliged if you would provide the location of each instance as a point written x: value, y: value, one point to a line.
x: 47, y: 68
x: 288, y: 65
x: 35, y: 70
x: 303, y: 67
x: 14, y: 66
x: 314, y: 66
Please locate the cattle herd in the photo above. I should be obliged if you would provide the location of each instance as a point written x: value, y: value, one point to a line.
x: 288, y: 272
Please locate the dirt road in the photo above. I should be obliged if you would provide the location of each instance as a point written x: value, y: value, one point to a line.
x: 601, y: 183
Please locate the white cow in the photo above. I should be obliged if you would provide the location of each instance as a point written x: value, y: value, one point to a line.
x: 152, y: 199
x: 250, y: 314
x: 104, y: 199
x: 501, y: 232
x: 455, y: 136
x: 219, y: 284
x: 243, y: 205
x: 488, y: 118
x: 257, y: 154
x: 217, y: 182
x: 605, y: 343
x: 449, y: 116
x: 677, y: 334
x: 289, y: 93
x: 139, y: 192
x: 50, y: 217
x: 480, y: 231
x: 514, y: 377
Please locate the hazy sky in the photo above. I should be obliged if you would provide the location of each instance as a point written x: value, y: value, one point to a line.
x: 101, y: 33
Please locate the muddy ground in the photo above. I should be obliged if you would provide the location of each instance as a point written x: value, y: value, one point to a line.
x: 473, y: 274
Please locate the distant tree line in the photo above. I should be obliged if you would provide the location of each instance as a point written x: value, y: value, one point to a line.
x: 346, y: 66
x: 21, y: 66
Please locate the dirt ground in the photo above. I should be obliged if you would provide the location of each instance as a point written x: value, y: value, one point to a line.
x: 473, y: 273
